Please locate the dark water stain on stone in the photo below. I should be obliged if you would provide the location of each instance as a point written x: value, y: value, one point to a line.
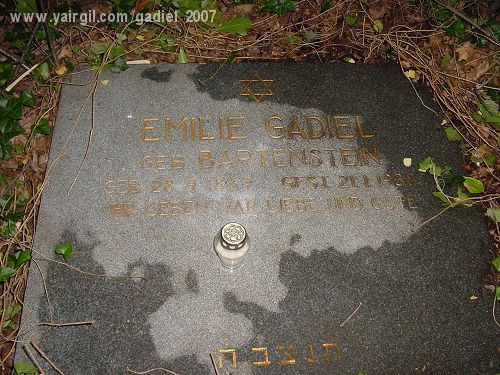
x: 295, y: 239
x: 120, y: 339
x: 192, y: 282
x: 410, y: 315
x: 154, y: 75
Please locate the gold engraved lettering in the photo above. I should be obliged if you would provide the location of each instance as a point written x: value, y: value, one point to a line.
x: 311, y: 120
x: 331, y: 157
x: 221, y: 127
x: 300, y: 155
x: 193, y: 129
x: 411, y: 201
x: 295, y: 128
x: 153, y: 162
x: 311, y: 360
x: 352, y: 203
x: 223, y: 352
x: 345, y: 153
x: 192, y: 184
x: 365, y: 155
x: 225, y: 159
x: 359, y: 128
x: 169, y: 124
x: 234, y: 123
x: 339, y: 126
x: 120, y: 209
x: 146, y: 128
x: 206, y: 159
x: 162, y: 185
x: 326, y: 352
x: 274, y: 131
x: 243, y: 156
x: 203, y: 136
x: 316, y: 157
x: 274, y: 155
x: 262, y: 158
x: 289, y: 355
x: 175, y: 208
x: 265, y: 353
x: 122, y: 187
x: 177, y: 162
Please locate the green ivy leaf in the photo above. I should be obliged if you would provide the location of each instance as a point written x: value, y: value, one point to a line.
x: 452, y: 134
x: 294, y: 39
x: 3, y: 179
x: 42, y: 127
x: 230, y: 58
x: 445, y: 60
x: 494, y: 214
x: 76, y: 48
x: 64, y: 249
x: 350, y: 19
x: 497, y: 296
x: 13, y: 310
x: 18, y: 259
x: 236, y: 25
x: 489, y: 160
x: 461, y: 195
x: 6, y: 273
x: 327, y: 5
x: 119, y: 65
x: 27, y: 98
x: 23, y: 367
x: 425, y: 164
x: 25, y: 6
x: 378, y: 26
x: 116, y: 51
x: 182, y: 57
x: 279, y: 7
x: 120, y: 38
x: 441, y: 196
x: 457, y: 28
x: 3, y: 102
x: 310, y: 36
x: 43, y: 71
x: 496, y: 264
x: 99, y: 48
x: 473, y: 185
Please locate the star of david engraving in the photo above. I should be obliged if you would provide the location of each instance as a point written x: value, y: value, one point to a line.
x: 265, y: 84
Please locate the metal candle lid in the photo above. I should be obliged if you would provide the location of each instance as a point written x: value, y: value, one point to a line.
x: 233, y: 236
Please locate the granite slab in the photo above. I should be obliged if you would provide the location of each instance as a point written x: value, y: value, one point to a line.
x: 339, y: 277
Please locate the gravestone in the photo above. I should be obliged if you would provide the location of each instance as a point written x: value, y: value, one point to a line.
x: 339, y: 277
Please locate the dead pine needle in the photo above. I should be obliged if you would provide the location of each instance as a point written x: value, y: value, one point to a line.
x: 350, y: 316
x: 152, y: 370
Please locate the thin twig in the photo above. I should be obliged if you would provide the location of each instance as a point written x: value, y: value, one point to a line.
x: 85, y: 272
x: 213, y: 364
x: 350, y: 316
x: 468, y: 20
x: 44, y: 355
x: 86, y: 323
x: 33, y: 359
x: 152, y: 370
x: 11, y: 56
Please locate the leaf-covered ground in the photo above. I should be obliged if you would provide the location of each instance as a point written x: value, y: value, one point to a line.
x: 452, y: 46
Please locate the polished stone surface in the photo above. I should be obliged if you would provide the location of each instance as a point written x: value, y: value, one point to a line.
x: 331, y: 212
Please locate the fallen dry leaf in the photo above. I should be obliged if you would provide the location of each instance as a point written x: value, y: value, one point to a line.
x: 61, y: 70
